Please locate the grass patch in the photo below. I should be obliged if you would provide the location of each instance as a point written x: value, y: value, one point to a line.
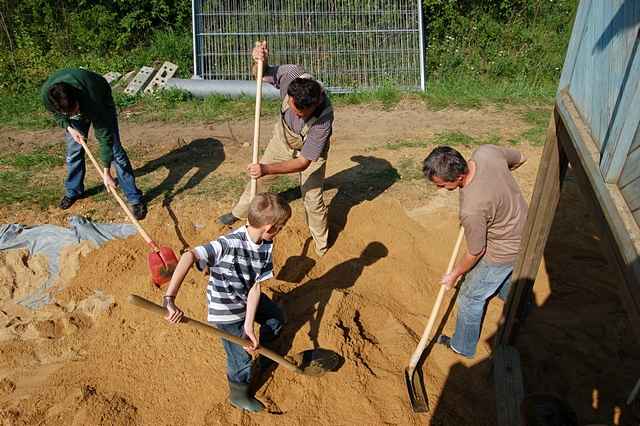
x: 406, y: 143
x: 20, y: 186
x: 470, y: 92
x: 539, y: 119
x: 388, y: 95
x: 460, y: 138
x: 284, y: 183
x: 23, y: 111
x: 176, y: 105
x: 27, y: 177
x: 445, y: 138
x: 33, y: 160
x: 409, y: 169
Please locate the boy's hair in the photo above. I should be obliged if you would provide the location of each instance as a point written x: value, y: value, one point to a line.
x: 63, y: 97
x: 305, y: 92
x: 543, y: 409
x: 445, y: 163
x: 269, y: 209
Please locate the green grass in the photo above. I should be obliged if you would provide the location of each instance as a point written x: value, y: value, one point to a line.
x: 33, y: 160
x: 21, y: 186
x: 409, y: 169
x: 388, y: 96
x: 470, y: 92
x: 454, y: 138
x: 406, y: 143
x: 444, y: 138
x: 284, y: 183
x: 26, y: 177
x: 539, y: 119
x: 176, y: 105
x: 460, y: 138
x: 24, y: 111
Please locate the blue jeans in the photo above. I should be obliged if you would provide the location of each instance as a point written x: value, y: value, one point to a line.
x: 479, y: 285
x: 271, y: 320
x: 74, y: 183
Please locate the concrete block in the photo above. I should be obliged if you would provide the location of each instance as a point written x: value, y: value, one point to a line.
x: 124, y: 81
x: 112, y: 76
x: 165, y: 72
x: 139, y: 81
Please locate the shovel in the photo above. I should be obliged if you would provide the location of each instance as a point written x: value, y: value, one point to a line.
x: 256, y: 123
x: 162, y: 261
x: 412, y: 376
x: 315, y: 362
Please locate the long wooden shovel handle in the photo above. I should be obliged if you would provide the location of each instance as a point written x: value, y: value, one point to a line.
x: 157, y: 309
x: 256, y: 123
x: 436, y: 307
x: 120, y: 201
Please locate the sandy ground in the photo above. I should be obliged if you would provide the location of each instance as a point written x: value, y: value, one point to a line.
x: 92, y: 358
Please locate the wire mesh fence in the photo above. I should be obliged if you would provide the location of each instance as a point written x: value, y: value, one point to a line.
x: 347, y: 44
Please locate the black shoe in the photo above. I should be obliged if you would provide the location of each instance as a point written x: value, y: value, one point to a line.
x: 227, y: 219
x: 66, y: 202
x: 139, y: 210
x: 446, y: 341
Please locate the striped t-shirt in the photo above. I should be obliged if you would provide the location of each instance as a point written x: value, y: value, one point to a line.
x: 319, y: 134
x: 235, y: 264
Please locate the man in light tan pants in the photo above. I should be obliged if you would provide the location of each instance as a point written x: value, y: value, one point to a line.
x: 300, y: 144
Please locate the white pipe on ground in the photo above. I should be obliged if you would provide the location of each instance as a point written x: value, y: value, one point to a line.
x: 234, y: 88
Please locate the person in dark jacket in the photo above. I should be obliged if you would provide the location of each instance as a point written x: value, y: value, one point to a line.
x: 79, y: 99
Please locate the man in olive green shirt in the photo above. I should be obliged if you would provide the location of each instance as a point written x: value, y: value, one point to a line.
x: 79, y: 99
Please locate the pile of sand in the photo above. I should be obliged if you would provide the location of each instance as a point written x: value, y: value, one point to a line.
x: 92, y: 358
x: 79, y: 361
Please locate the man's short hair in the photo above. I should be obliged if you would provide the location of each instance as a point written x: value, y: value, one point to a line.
x: 445, y: 163
x: 543, y: 409
x: 63, y: 97
x: 269, y: 209
x: 305, y: 92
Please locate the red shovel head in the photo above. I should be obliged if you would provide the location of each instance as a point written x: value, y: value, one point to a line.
x: 162, y: 263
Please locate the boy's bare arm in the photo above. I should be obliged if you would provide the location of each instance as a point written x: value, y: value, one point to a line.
x: 174, y: 314
x: 252, y: 306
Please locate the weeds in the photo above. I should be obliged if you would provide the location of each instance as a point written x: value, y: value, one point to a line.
x: 408, y: 143
x: 539, y: 119
x: 22, y: 186
x: 409, y: 169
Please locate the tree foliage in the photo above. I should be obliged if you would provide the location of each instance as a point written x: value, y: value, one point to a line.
x: 493, y: 39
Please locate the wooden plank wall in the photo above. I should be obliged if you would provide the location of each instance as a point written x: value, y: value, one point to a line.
x: 601, y: 73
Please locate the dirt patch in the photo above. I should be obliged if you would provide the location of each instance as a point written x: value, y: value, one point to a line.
x: 92, y: 358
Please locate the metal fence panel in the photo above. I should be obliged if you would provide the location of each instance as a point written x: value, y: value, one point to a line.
x: 347, y: 44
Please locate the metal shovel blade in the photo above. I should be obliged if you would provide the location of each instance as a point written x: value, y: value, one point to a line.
x: 317, y: 362
x: 417, y: 392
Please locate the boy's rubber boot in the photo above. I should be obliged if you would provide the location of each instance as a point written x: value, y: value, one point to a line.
x: 239, y: 397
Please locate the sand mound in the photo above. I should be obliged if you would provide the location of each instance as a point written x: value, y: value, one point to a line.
x: 92, y: 358
x: 21, y: 274
x: 367, y: 300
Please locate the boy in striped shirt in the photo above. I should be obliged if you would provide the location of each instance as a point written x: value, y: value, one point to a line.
x: 236, y: 264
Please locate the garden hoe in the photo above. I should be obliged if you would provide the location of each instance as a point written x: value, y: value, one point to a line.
x: 313, y: 363
x: 412, y: 375
x: 162, y: 261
